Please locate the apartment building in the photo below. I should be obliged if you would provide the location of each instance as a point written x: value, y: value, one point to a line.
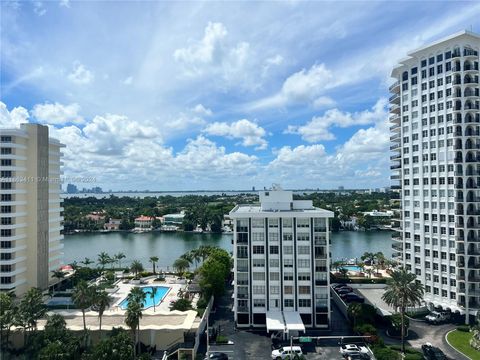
x: 281, y: 263
x: 435, y: 127
x: 30, y: 208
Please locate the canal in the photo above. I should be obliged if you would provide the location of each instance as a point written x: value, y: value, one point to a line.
x: 169, y: 246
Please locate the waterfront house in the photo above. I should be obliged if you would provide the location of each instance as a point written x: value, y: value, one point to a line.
x: 112, y: 225
x: 144, y: 222
x: 174, y: 219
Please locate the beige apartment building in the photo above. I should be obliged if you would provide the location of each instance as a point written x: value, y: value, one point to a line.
x: 31, y: 213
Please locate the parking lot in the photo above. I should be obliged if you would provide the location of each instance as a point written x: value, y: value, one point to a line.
x: 248, y: 345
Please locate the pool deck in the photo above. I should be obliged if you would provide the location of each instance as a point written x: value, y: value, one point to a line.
x: 124, y: 290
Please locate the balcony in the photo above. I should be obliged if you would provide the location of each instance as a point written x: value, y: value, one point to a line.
x: 395, y: 177
x: 395, y: 128
x: 470, y: 53
x: 456, y: 54
x: 395, y: 137
x: 394, y: 147
x: 397, y: 247
x: 470, y: 80
x: 395, y: 167
x: 395, y: 109
x: 395, y: 87
x: 395, y: 99
x: 395, y: 119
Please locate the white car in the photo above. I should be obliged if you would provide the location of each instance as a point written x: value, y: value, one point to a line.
x: 352, y: 349
x: 287, y: 351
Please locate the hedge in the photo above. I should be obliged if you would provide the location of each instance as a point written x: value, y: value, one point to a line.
x: 464, y: 328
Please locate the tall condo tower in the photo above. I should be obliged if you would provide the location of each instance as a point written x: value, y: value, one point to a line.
x: 281, y: 263
x: 31, y: 214
x: 435, y: 127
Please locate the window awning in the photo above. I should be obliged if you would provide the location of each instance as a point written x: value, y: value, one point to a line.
x: 293, y: 321
x: 275, y: 321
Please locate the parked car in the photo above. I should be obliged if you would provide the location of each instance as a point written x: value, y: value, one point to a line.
x: 432, y: 353
x: 217, y: 356
x: 436, y: 317
x: 346, y: 287
x: 287, y: 351
x: 352, y: 297
x: 344, y: 291
x: 336, y: 286
x: 358, y: 356
x: 348, y: 349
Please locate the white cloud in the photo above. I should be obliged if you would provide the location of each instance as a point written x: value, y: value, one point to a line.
x: 13, y: 118
x: 318, y: 128
x: 80, y: 74
x: 128, y: 80
x: 250, y: 133
x: 206, y: 50
x: 274, y: 60
x: 57, y: 114
x: 184, y: 122
x: 323, y: 102
x: 302, y: 87
x: 38, y: 8
x: 301, y: 155
x: 110, y: 134
x: 64, y: 3
x: 202, y: 110
x: 224, y: 62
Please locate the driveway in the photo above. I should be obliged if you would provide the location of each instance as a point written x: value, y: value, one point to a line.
x: 421, y: 332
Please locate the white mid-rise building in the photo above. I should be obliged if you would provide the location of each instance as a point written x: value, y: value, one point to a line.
x: 435, y: 127
x: 31, y: 212
x: 281, y: 263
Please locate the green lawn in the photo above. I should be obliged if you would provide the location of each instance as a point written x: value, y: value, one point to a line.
x: 460, y: 341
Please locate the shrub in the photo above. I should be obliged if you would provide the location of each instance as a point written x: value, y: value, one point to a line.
x: 202, y: 303
x: 385, y: 353
x: 221, y: 339
x: 416, y: 356
x: 395, y: 325
x: 464, y: 328
x: 366, y: 329
x: 145, y: 273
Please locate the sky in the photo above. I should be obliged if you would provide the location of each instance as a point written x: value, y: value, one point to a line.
x: 215, y: 95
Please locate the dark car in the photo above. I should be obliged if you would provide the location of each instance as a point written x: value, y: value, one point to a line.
x: 343, y: 291
x: 352, y: 297
x: 217, y: 356
x: 432, y: 353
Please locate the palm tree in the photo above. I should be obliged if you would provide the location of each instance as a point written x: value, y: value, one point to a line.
x: 152, y: 293
x: 344, y: 272
x: 103, y: 259
x: 136, y: 267
x: 153, y: 260
x: 132, y: 319
x: 59, y: 275
x: 181, y: 264
x: 137, y: 295
x: 119, y: 258
x: 368, y: 256
x: 336, y: 265
x: 102, y: 301
x: 402, y: 291
x: 82, y: 298
x: 354, y: 310
x: 87, y: 262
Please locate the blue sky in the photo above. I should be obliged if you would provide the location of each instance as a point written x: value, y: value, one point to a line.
x: 215, y: 95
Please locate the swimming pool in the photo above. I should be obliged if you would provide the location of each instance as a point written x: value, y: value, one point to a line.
x: 162, y: 291
x: 354, y: 268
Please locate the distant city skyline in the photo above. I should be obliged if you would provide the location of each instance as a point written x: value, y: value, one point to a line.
x: 206, y: 95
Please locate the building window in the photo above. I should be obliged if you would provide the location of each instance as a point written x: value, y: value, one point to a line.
x: 304, y: 303
x: 257, y: 249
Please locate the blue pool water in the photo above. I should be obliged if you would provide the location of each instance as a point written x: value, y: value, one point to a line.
x: 352, y: 268
x: 162, y: 291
